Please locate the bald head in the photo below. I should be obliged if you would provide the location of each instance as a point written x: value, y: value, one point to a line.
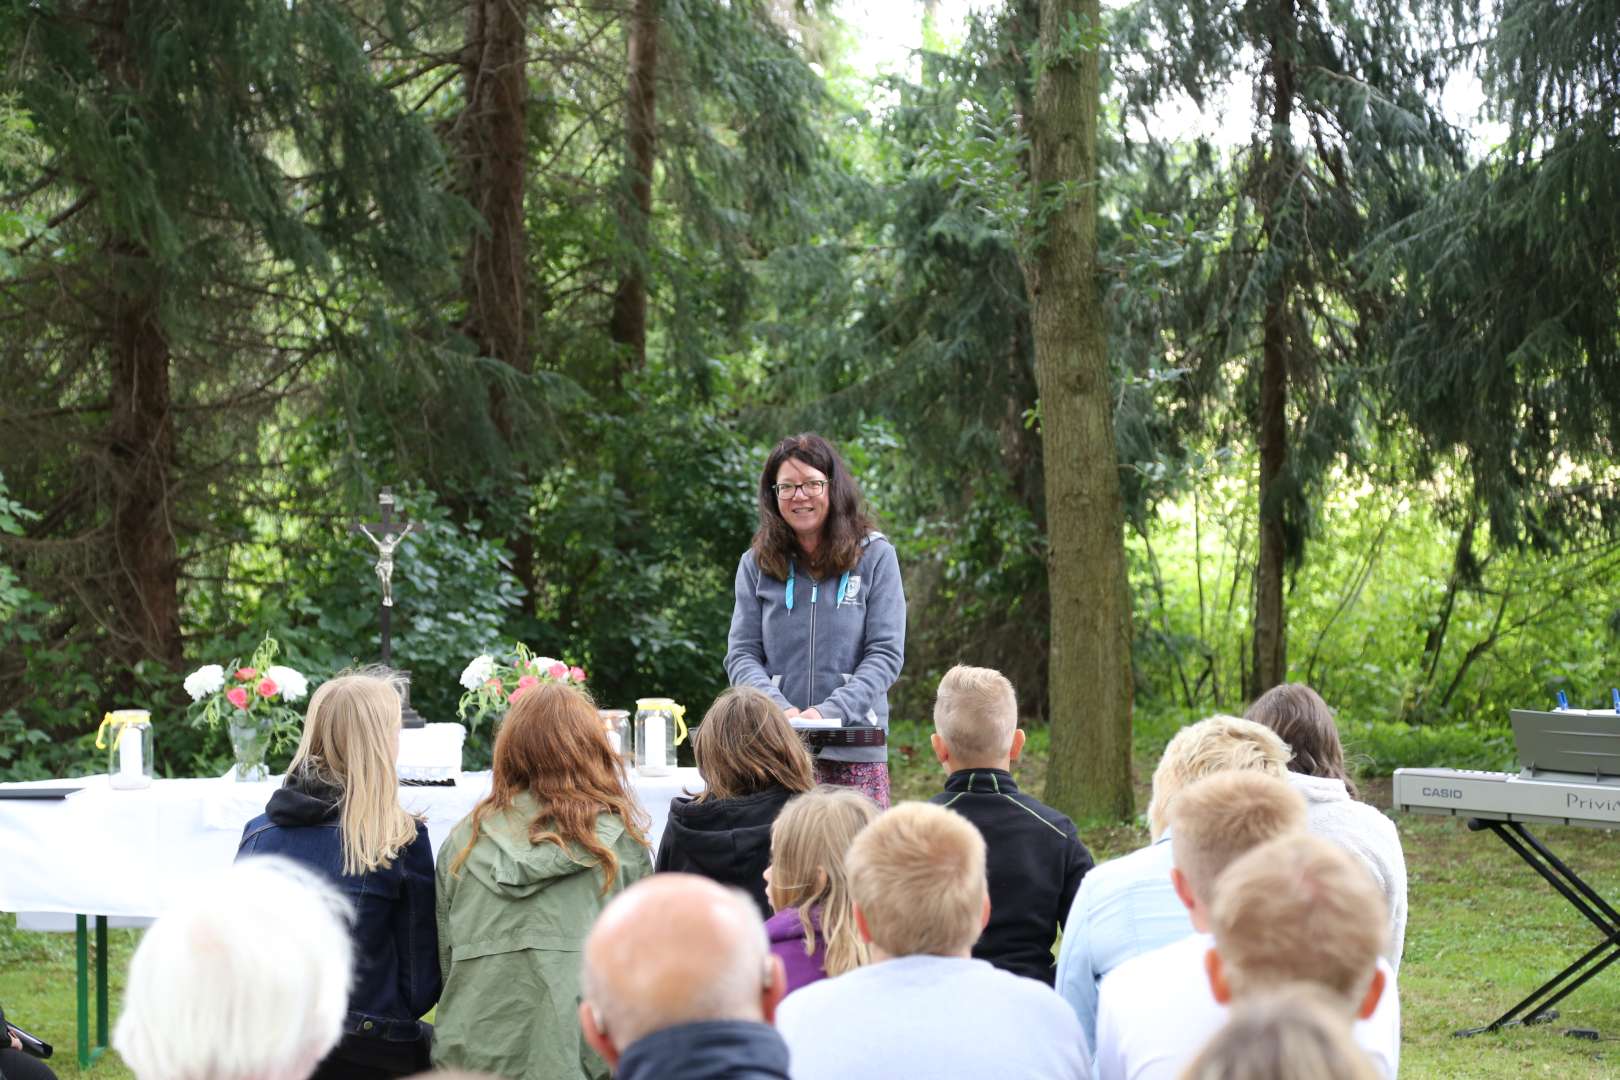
x: 675, y: 949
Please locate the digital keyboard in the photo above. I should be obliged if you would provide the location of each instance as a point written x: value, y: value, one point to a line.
x: 1553, y: 798
x: 1569, y: 774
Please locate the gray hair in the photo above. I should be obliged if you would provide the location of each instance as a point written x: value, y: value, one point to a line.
x: 247, y: 979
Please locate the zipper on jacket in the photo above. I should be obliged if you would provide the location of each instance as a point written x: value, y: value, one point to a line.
x: 814, y: 588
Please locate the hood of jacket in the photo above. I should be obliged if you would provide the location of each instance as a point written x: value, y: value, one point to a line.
x: 785, y: 925
x: 707, y: 1050
x: 507, y: 862
x: 1319, y: 789
x: 719, y: 835
x: 304, y: 798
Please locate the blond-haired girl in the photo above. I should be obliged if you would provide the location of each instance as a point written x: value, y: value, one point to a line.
x: 813, y: 930
x: 338, y: 812
x: 752, y: 763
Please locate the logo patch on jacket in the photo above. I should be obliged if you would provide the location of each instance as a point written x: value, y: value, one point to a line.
x: 853, y: 588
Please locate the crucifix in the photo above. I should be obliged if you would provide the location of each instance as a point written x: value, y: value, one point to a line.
x: 386, y: 534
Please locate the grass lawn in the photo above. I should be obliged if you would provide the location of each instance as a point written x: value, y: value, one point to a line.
x: 1482, y: 932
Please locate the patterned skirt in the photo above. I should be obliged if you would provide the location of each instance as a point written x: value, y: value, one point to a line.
x: 870, y: 778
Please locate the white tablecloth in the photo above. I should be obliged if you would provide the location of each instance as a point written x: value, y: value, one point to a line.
x: 133, y: 853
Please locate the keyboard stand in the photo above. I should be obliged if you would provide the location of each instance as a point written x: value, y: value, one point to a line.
x: 1538, y: 1007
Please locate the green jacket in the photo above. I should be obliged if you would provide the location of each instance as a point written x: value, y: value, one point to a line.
x: 512, y: 924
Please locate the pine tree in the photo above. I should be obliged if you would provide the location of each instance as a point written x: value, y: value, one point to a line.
x: 1501, y: 330
x: 1346, y: 138
x: 227, y: 193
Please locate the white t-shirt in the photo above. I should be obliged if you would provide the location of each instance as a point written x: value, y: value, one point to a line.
x: 928, y: 1017
x: 1157, y: 1011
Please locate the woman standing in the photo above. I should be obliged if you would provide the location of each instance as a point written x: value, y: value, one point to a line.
x: 820, y: 616
x: 521, y: 880
x: 338, y: 812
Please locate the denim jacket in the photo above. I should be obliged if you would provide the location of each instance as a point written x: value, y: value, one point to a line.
x: 396, y: 976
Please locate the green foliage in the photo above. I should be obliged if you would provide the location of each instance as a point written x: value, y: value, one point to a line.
x: 642, y: 542
x: 1378, y: 748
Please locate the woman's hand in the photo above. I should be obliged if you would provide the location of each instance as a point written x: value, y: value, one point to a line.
x: 810, y: 714
x: 791, y: 713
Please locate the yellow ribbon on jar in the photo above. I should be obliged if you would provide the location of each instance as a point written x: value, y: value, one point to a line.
x: 120, y: 720
x: 669, y: 705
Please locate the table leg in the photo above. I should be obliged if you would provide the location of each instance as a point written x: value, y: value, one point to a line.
x: 88, y: 1054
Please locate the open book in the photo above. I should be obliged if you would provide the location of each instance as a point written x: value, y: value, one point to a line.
x: 821, y: 724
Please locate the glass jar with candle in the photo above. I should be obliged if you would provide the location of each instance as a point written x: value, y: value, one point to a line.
x: 129, y: 747
x: 660, y: 727
x: 616, y: 723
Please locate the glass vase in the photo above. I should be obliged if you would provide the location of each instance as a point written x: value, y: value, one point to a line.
x: 250, y: 745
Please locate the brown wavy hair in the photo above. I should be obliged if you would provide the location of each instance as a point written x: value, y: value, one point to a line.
x: 553, y: 746
x: 847, y: 521
x: 746, y: 745
x: 1303, y: 720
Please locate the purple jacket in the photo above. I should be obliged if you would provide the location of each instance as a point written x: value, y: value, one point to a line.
x: 787, y: 941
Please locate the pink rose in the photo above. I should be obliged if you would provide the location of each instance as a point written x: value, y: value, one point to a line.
x: 576, y: 673
x: 245, y: 673
x: 268, y: 688
x: 523, y: 684
x: 558, y: 671
x: 237, y: 696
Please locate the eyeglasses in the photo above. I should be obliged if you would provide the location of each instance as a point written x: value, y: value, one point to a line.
x: 811, y: 488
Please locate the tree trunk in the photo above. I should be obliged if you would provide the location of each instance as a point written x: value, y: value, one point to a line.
x: 1270, y: 664
x: 628, y: 327
x: 492, y: 140
x: 1090, y: 678
x: 140, y: 463
x: 494, y: 149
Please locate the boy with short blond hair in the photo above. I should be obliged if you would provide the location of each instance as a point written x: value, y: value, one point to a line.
x: 1036, y: 859
x: 1298, y: 909
x: 924, y: 1007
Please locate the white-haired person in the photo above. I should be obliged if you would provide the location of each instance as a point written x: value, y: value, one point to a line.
x: 1036, y: 859
x: 923, y: 1007
x: 680, y: 984
x: 246, y: 979
x: 1126, y: 906
x: 1158, y: 1009
x: 1303, y: 720
x: 338, y: 813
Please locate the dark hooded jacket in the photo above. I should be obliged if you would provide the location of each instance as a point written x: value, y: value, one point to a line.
x: 728, y: 840
x: 707, y: 1050
x: 396, y: 975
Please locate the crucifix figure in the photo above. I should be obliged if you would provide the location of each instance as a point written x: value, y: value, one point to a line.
x: 386, y: 534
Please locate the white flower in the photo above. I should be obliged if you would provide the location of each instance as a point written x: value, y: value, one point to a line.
x: 293, y: 685
x: 204, y: 681
x: 477, y: 673
x: 543, y: 664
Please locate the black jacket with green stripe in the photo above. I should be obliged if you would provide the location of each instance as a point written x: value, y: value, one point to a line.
x: 1035, y: 862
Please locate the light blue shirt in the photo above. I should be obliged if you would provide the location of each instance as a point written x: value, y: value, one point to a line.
x: 930, y: 1017
x: 1125, y: 907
